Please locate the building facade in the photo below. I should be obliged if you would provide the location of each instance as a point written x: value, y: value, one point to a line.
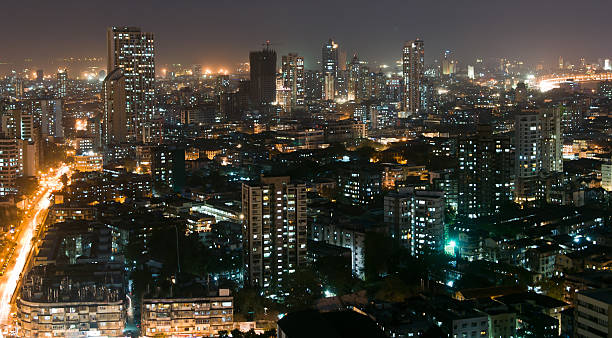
x: 413, y: 64
x: 528, y: 155
x: 293, y: 79
x: 133, y: 51
x: 274, y: 233
x: 202, y: 316
x: 417, y: 219
x: 484, y: 173
x: 263, y: 76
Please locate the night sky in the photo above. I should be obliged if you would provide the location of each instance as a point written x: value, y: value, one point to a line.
x: 220, y: 33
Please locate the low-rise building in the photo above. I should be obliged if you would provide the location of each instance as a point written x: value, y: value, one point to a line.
x: 201, y: 316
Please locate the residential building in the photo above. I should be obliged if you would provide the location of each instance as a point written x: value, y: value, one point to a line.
x: 133, y: 51
x: 9, y: 165
x: 198, y: 316
x: 528, y: 155
x: 484, y: 173
x: 417, y: 219
x: 274, y: 234
x: 413, y: 65
x: 62, y: 83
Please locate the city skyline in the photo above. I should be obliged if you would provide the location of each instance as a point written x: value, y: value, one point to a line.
x: 285, y: 170
x: 194, y: 33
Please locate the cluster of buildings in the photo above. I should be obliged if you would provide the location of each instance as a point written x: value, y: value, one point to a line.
x: 275, y: 167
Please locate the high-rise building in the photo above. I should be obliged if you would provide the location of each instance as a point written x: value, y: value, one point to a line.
x: 413, y: 64
x: 552, y: 140
x: 274, y: 232
x: 18, y: 87
x: 263, y: 76
x: 9, y: 165
x: 222, y: 84
x: 62, y: 83
x: 449, y: 65
x: 417, y: 219
x: 329, y: 67
x: 133, y: 52
x: 197, y: 71
x: 51, y: 118
x: 528, y: 155
x: 470, y: 72
x: 40, y: 75
x: 313, y: 84
x: 114, y: 115
x: 606, y: 176
x: 354, y: 79
x: 484, y: 173
x: 292, y: 67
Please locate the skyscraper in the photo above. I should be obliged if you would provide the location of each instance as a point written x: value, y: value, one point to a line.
x: 528, y: 155
x: 114, y: 108
x: 274, y: 232
x: 413, y: 63
x: 329, y: 67
x: 552, y: 140
x: 354, y: 77
x: 62, y: 79
x: 449, y: 65
x: 292, y: 67
x: 133, y: 52
x: 263, y: 76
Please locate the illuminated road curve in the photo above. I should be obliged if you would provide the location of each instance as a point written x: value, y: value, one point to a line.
x: 549, y: 82
x: 24, y: 241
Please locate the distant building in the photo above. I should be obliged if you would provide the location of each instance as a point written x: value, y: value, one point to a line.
x: 274, y: 233
x: 292, y: 67
x: 552, y: 140
x: 263, y: 76
x: 133, y: 51
x: 528, y: 155
x: 329, y: 68
x: 62, y: 83
x: 413, y: 65
x: 88, y: 162
x: 114, y: 108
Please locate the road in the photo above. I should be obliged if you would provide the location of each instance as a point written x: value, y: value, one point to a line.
x: 33, y: 217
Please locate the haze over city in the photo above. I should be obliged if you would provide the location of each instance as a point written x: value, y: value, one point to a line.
x: 219, y: 34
